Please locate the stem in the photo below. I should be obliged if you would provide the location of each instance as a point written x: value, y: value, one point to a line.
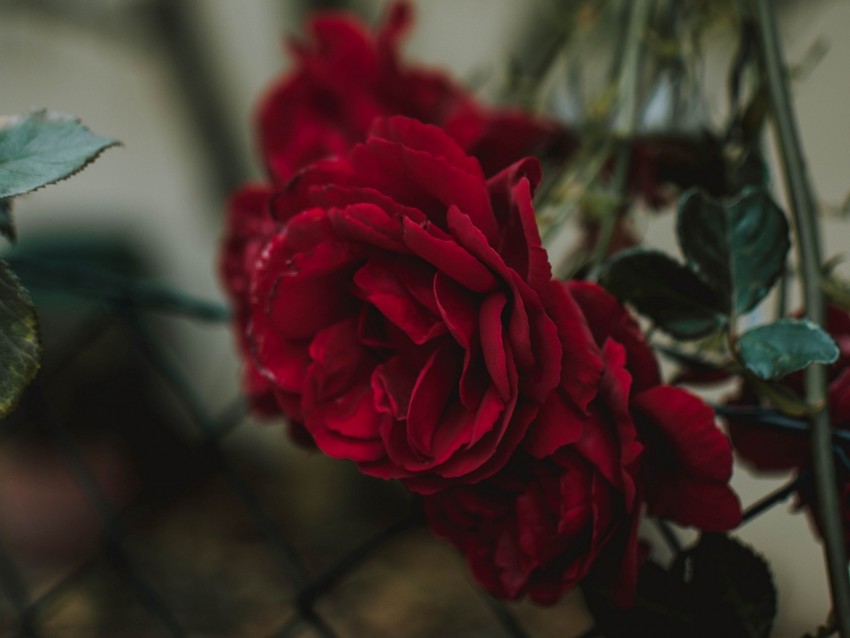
x: 625, y: 122
x: 804, y: 208
x: 628, y: 89
x: 774, y: 498
x: 93, y: 283
x: 327, y: 581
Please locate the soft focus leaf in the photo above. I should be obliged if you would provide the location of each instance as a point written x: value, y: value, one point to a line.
x: 778, y: 349
x: 20, y: 347
x: 667, y: 292
x: 43, y: 148
x: 7, y: 226
x: 730, y: 588
x: 739, y: 248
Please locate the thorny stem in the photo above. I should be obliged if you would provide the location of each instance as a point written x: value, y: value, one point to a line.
x: 628, y: 89
x: 628, y: 92
x: 804, y: 209
x: 623, y: 130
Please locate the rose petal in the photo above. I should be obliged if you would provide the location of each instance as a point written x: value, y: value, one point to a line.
x: 558, y: 423
x: 435, y: 385
x: 492, y: 344
x: 417, y: 136
x: 457, y: 308
x: 711, y: 507
x: 606, y: 318
x: 448, y: 257
x: 688, y: 438
x: 423, y: 181
x: 582, y: 366
x: 380, y: 283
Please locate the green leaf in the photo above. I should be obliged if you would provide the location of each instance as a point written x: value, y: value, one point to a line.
x: 778, y: 349
x: 7, y: 226
x: 20, y: 346
x: 730, y: 588
x: 739, y: 248
x: 719, y: 587
x: 43, y: 148
x: 667, y: 292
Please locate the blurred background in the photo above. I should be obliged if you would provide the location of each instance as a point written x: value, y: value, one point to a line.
x: 136, y: 499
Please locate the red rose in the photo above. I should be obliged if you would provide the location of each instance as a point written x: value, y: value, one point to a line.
x: 769, y: 449
x: 346, y: 76
x: 687, y: 461
x: 571, y: 507
x: 399, y: 308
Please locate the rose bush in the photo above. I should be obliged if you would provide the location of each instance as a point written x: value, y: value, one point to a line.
x: 569, y: 504
x: 400, y: 305
x: 345, y: 77
x: 393, y: 299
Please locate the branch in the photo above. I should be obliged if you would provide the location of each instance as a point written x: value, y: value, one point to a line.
x: 804, y: 210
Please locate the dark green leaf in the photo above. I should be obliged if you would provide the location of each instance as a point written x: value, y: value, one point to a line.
x: 7, y: 226
x: 43, y: 148
x: 730, y: 588
x: 778, y: 349
x: 718, y: 588
x: 660, y: 609
x: 667, y: 292
x: 20, y: 347
x: 739, y: 248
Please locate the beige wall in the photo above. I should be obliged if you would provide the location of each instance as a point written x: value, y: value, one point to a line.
x: 154, y: 189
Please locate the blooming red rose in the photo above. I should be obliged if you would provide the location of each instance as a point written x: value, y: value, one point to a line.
x: 770, y: 449
x: 399, y: 308
x: 346, y: 76
x: 571, y: 506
